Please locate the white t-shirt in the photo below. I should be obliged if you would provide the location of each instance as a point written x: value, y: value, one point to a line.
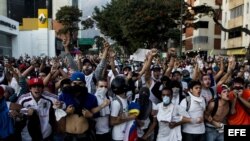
x: 102, y: 125
x: 119, y: 130
x: 174, y: 113
x: 196, y: 110
x: 111, y: 75
x: 88, y: 79
x: 206, y: 93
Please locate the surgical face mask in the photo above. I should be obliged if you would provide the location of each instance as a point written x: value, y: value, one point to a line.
x: 166, y: 100
x: 101, y: 92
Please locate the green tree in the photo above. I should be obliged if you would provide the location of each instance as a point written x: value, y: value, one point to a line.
x: 99, y: 42
x: 140, y: 23
x: 69, y: 16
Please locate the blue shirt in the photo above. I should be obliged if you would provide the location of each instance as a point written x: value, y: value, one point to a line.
x: 87, y: 101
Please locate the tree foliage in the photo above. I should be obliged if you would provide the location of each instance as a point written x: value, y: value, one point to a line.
x: 88, y: 23
x: 68, y: 16
x: 191, y: 12
x: 140, y: 23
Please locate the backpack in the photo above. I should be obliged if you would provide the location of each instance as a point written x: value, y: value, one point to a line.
x: 188, y: 100
x: 121, y: 106
x: 216, y: 105
x: 213, y: 93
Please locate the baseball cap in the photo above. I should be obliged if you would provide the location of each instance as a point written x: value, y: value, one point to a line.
x: 86, y: 61
x: 35, y: 81
x: 22, y: 67
x: 134, y: 108
x: 77, y: 76
x: 185, y: 73
x: 220, y: 88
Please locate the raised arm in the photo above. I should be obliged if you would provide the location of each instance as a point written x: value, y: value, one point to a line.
x: 196, y: 73
x: 103, y: 63
x: 150, y: 57
x: 231, y: 66
x: 218, y: 75
x: 112, y: 62
x: 70, y: 59
x: 170, y: 67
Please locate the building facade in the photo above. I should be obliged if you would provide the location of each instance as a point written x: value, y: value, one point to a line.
x: 19, y: 9
x: 206, y: 38
x: 235, y: 14
x: 9, y: 31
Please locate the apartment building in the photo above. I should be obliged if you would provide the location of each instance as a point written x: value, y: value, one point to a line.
x: 235, y: 14
x: 206, y: 38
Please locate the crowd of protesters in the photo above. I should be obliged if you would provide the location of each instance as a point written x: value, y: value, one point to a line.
x: 91, y: 98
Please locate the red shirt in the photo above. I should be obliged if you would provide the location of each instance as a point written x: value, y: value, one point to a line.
x: 241, y: 117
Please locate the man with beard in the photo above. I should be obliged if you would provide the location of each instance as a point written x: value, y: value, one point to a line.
x: 80, y: 108
x: 93, y: 75
x: 207, y: 91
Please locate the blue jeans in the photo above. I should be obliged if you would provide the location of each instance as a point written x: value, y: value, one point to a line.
x: 212, y: 134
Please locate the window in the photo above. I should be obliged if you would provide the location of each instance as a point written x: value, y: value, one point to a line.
x: 234, y: 33
x: 202, y: 24
x: 236, y: 12
x: 200, y: 40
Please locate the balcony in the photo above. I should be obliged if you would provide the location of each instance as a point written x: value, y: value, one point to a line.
x: 235, y: 3
x: 234, y: 42
x: 236, y: 22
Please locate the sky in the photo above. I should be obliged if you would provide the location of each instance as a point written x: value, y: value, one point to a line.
x: 87, y: 7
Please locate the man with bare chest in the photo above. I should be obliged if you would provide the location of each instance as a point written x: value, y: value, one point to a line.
x: 79, y: 108
x: 216, y: 113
